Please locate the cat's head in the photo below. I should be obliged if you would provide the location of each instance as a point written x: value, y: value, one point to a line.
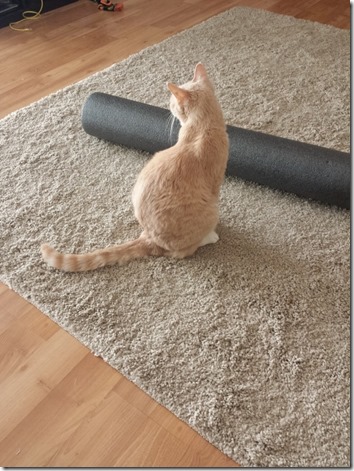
x: 192, y: 97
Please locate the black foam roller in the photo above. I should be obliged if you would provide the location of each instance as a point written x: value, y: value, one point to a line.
x: 306, y: 170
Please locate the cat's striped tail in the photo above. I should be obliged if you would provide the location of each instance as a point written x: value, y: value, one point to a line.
x: 117, y: 254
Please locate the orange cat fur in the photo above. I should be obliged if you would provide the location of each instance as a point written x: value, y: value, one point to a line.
x: 176, y: 194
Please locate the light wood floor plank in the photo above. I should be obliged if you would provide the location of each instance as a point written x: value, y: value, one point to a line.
x: 35, y: 376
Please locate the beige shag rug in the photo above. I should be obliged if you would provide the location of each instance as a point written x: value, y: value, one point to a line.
x: 248, y: 341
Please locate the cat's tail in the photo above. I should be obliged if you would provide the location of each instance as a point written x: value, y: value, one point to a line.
x: 117, y: 254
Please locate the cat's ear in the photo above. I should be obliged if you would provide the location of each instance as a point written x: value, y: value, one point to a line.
x: 199, y: 72
x: 181, y: 94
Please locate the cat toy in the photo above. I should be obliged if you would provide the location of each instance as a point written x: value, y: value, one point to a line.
x: 107, y: 5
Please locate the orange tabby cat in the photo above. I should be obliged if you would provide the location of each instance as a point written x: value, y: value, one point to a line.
x: 176, y: 194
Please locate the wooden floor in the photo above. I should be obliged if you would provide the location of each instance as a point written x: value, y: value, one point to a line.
x: 60, y: 406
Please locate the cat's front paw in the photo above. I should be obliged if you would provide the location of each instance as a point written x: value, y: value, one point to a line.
x: 211, y: 238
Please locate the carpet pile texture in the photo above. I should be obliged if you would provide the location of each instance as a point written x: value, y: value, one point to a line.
x: 248, y: 341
